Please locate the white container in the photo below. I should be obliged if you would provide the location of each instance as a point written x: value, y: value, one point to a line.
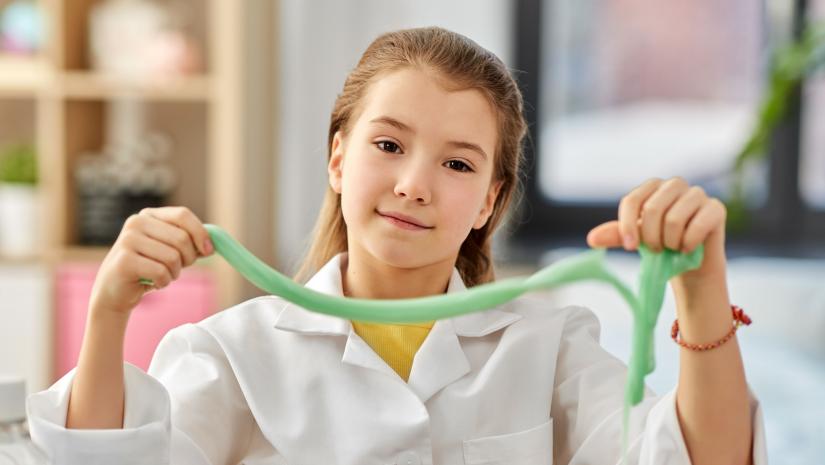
x: 120, y: 32
x: 16, y: 447
x: 19, y: 220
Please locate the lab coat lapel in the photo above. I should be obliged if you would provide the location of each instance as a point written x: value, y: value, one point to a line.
x: 296, y: 319
x: 358, y: 353
x: 441, y: 360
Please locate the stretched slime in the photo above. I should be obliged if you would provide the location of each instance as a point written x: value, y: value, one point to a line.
x: 656, y: 270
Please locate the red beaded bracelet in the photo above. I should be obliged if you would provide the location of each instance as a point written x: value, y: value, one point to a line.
x: 739, y: 318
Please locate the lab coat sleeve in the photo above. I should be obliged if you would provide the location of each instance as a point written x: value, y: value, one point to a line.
x: 188, y: 409
x: 587, y: 407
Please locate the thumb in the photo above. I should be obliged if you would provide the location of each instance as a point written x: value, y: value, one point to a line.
x: 605, y: 235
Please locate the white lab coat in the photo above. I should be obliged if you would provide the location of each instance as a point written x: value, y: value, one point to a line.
x: 267, y: 382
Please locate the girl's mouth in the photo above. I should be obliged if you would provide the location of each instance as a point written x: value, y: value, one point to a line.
x: 403, y: 224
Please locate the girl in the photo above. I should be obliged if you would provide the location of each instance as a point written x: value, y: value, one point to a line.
x: 424, y: 150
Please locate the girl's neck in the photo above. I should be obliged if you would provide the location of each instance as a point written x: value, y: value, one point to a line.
x: 370, y: 279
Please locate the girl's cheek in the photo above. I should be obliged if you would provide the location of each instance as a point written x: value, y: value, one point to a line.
x: 458, y: 211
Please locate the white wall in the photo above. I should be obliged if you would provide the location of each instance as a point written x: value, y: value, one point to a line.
x: 320, y: 42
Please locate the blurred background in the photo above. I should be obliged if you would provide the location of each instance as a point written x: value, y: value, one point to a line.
x: 109, y: 106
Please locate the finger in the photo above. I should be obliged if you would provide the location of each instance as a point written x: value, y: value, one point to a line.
x: 183, y: 218
x: 629, y: 208
x: 605, y: 235
x: 155, y: 250
x: 709, y: 217
x: 151, y: 269
x: 679, y: 214
x: 655, y: 207
x: 171, y: 235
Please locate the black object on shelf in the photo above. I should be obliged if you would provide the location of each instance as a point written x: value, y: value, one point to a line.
x: 121, y: 180
x: 101, y: 214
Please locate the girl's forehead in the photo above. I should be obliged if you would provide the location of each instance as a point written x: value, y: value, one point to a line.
x: 420, y: 100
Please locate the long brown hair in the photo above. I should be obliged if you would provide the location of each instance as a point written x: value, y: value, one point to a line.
x: 464, y: 65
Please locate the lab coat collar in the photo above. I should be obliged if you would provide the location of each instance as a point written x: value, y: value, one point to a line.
x: 328, y: 280
x: 438, y: 362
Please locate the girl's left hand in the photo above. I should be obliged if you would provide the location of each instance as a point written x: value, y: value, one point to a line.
x: 671, y: 214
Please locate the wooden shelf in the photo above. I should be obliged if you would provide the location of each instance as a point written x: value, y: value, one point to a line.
x: 22, y: 76
x: 64, y: 110
x: 96, y: 86
x: 77, y: 253
x: 221, y: 125
x: 26, y: 77
x: 81, y: 253
x: 96, y: 253
x: 6, y: 260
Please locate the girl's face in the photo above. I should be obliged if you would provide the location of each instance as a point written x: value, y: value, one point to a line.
x: 420, y: 151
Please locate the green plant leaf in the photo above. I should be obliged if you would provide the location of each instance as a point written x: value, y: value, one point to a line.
x: 18, y: 164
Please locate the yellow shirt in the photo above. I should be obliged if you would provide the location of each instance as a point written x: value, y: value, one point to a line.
x: 395, y: 343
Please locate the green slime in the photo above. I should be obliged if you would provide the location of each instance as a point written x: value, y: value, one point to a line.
x: 657, y: 268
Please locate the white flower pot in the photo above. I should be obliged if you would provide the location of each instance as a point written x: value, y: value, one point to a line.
x: 19, y: 220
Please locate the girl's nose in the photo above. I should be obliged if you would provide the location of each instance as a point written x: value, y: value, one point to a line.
x: 414, y: 184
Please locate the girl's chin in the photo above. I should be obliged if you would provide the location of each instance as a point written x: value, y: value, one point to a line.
x: 401, y: 259
x: 400, y: 255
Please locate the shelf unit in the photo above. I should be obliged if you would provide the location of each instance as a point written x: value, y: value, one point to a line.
x: 22, y: 77
x: 218, y: 153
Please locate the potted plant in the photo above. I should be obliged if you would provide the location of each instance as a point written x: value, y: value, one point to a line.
x: 789, y: 65
x: 19, y: 208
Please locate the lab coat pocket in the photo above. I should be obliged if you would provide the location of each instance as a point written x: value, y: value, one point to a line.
x: 533, y: 446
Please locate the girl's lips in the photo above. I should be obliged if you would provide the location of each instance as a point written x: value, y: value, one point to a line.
x: 403, y: 224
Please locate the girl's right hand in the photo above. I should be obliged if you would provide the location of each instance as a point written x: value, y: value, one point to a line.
x: 155, y: 244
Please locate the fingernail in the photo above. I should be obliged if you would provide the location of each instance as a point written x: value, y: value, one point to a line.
x: 207, y: 247
x: 628, y: 241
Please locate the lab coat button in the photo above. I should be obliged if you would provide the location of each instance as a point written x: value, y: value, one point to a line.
x: 408, y: 458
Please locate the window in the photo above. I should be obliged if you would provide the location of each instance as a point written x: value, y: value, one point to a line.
x: 643, y: 88
x: 812, y: 162
x: 618, y: 92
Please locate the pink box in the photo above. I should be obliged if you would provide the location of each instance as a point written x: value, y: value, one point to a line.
x: 187, y: 300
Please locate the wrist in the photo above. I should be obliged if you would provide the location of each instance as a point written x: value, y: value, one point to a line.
x: 689, y: 287
x: 107, y: 319
x: 103, y: 340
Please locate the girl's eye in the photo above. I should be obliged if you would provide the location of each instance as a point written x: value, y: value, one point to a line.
x: 387, y: 146
x: 459, y: 166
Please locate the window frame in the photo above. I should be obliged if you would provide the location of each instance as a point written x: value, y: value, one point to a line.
x: 783, y: 226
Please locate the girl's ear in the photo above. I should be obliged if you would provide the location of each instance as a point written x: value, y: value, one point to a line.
x: 489, y: 202
x: 336, y: 162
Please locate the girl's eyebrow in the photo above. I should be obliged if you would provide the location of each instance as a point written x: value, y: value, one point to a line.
x: 469, y: 146
x: 404, y: 127
x: 392, y: 122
